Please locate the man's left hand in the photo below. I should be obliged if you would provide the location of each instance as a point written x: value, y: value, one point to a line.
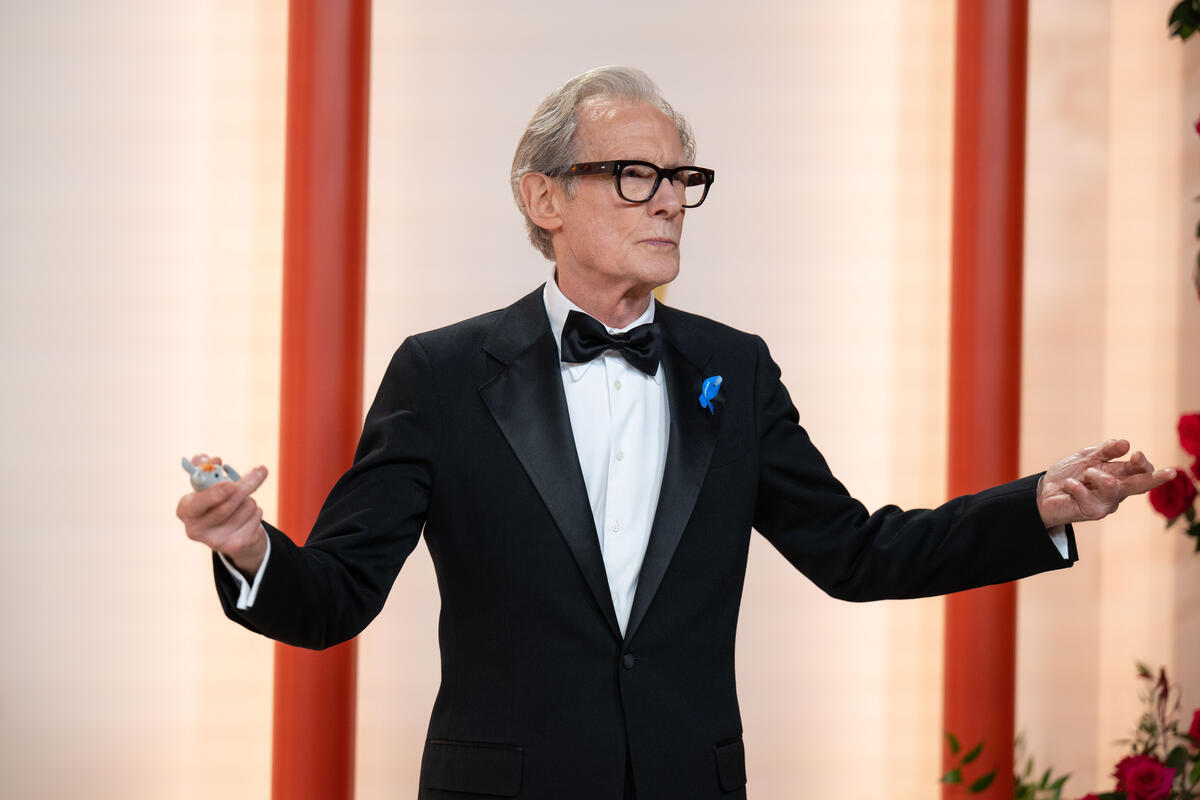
x: 1090, y: 484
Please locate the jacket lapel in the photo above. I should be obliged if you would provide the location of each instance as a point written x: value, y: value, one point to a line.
x: 692, y: 437
x: 528, y: 403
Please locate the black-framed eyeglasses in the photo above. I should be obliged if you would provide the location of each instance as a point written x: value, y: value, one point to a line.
x: 638, y: 181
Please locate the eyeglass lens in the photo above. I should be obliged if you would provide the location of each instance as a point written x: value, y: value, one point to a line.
x: 637, y: 184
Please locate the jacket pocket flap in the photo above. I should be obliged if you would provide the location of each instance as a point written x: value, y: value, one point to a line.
x: 472, y: 767
x: 731, y: 764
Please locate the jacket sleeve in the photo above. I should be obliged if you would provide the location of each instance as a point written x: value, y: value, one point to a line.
x: 327, y: 591
x: 990, y: 537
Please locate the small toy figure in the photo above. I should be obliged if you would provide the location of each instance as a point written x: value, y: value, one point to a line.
x: 206, y: 475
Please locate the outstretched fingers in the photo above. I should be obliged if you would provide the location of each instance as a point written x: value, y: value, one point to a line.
x: 1142, y: 482
x: 1103, y: 491
x: 1110, y: 449
x: 1139, y: 463
x: 1095, y: 482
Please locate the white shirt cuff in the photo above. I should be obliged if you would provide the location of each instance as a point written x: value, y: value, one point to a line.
x: 247, y: 591
x: 1058, y: 535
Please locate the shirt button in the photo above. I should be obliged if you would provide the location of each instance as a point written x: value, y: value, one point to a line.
x: 617, y: 385
x: 616, y: 528
x: 620, y: 455
x: 627, y: 661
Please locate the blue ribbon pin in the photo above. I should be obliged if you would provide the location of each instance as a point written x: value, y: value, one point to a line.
x: 708, y: 392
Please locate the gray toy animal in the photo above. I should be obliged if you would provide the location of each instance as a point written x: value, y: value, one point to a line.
x: 206, y: 475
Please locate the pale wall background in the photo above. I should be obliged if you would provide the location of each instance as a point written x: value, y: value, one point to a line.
x: 140, y: 243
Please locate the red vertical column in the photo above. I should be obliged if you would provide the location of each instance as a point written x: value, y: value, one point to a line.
x: 321, y: 382
x: 985, y: 362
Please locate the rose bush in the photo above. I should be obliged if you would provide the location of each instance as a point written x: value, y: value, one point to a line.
x: 1163, y: 761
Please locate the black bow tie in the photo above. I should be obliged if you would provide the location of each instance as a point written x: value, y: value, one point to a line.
x: 584, y: 339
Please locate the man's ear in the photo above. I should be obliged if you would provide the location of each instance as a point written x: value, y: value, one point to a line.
x: 540, y: 195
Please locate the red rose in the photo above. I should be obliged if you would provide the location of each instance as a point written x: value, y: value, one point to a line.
x: 1122, y: 767
x: 1194, y: 731
x: 1144, y: 778
x: 1189, y: 433
x: 1173, y: 497
x: 1196, y: 468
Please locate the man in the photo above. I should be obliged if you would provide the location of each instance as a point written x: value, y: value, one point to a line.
x: 586, y: 487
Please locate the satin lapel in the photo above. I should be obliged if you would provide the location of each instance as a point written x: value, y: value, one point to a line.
x: 528, y: 403
x: 693, y: 434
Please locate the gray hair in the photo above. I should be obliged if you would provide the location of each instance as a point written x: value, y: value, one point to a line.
x: 548, y: 144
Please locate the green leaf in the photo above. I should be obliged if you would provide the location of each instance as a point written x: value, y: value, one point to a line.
x: 1190, y: 513
x: 1143, y: 671
x: 953, y: 743
x: 981, y: 784
x: 1195, y: 776
x: 953, y: 776
x: 1177, y: 759
x: 1029, y: 767
x: 1175, y: 20
x: 1111, y: 796
x: 974, y: 754
x: 1058, y: 784
x: 1183, y: 20
x: 1045, y: 779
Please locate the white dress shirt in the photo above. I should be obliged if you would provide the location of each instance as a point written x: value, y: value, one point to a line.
x: 620, y: 420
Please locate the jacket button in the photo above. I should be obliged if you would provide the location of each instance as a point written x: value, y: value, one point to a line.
x: 627, y: 661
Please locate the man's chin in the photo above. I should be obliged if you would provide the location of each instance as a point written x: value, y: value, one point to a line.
x: 669, y: 277
x: 662, y: 271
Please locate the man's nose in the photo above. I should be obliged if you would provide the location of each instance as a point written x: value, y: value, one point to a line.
x: 666, y: 200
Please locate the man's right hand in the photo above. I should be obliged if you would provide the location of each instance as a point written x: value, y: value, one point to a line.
x: 225, y: 517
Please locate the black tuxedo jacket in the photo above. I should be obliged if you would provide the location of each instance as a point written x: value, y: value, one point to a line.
x: 541, y: 697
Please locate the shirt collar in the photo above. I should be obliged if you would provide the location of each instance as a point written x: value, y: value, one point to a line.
x: 558, y: 305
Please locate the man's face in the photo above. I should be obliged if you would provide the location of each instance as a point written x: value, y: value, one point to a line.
x: 608, y: 244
